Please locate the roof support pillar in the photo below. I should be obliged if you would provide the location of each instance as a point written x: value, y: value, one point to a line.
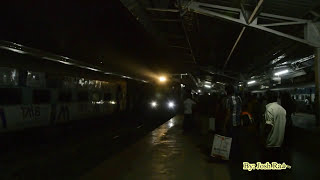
x: 317, y: 79
x: 312, y: 34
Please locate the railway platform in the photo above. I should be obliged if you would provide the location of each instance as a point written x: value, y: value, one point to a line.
x: 168, y: 153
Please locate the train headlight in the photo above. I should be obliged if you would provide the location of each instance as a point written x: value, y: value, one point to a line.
x: 154, y: 104
x: 112, y: 102
x: 162, y: 79
x: 171, y: 104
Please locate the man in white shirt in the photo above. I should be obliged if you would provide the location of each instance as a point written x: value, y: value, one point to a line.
x: 188, y: 114
x: 275, y: 124
x: 275, y: 117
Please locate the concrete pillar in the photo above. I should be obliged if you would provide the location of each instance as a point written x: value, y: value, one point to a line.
x: 181, y: 88
x: 312, y: 34
x: 317, y: 83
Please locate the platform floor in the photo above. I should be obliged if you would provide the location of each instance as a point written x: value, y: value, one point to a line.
x: 167, y: 153
x: 304, y: 120
x: 163, y: 154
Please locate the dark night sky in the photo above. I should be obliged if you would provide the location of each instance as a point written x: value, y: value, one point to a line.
x: 91, y: 31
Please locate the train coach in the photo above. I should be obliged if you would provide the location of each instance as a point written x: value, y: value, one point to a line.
x: 30, y: 99
x: 33, y: 99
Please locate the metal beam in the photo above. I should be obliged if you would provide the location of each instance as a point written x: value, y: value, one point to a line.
x: 195, y: 8
x: 281, y: 24
x: 261, y: 15
x: 251, y: 18
x: 282, y: 34
x: 254, y: 13
x: 171, y: 36
x: 180, y: 47
x: 237, y: 2
x: 188, y: 40
x: 190, y: 55
x: 206, y: 5
x: 218, y: 74
x: 286, y: 47
x: 163, y: 10
x: 234, y: 46
x: 167, y: 20
x: 193, y: 79
x: 182, y: 12
x: 317, y: 15
x: 244, y: 13
x: 312, y: 33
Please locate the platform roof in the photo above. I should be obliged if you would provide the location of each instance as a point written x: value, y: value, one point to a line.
x: 214, y: 44
x: 145, y: 37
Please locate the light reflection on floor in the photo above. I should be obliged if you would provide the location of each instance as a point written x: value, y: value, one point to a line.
x: 167, y: 153
x: 159, y: 133
x: 171, y: 123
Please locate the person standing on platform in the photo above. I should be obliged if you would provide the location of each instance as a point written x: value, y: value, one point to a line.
x: 189, y: 104
x: 294, y: 105
x: 232, y: 120
x: 288, y: 104
x: 275, y: 124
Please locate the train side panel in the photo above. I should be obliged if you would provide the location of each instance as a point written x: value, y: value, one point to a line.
x: 41, y: 100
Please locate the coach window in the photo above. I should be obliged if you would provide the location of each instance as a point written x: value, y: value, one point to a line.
x: 96, y: 96
x: 83, y: 96
x: 10, y: 96
x: 65, y: 96
x: 107, y: 97
x: 41, y: 96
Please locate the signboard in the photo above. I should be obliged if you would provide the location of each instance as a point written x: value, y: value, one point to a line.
x: 77, y: 111
x: 19, y: 117
x: 26, y: 116
x: 221, y: 147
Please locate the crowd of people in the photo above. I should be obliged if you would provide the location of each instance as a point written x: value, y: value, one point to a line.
x: 268, y: 114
